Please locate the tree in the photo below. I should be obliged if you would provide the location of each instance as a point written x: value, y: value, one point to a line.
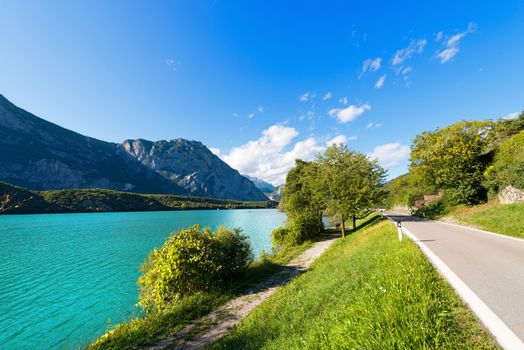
x: 451, y: 159
x: 353, y: 183
x: 303, y: 202
x: 508, y: 166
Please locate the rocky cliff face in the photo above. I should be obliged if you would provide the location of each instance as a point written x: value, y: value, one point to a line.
x: 192, y: 166
x: 40, y: 155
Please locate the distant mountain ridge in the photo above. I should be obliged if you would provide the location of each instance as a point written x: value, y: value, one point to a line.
x: 40, y: 155
x: 272, y: 192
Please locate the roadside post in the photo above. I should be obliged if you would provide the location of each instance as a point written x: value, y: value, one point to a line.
x: 399, y: 229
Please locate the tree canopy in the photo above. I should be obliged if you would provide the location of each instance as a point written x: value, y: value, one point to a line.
x: 450, y: 158
x: 340, y: 183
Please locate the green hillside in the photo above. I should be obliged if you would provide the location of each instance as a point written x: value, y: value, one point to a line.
x: 18, y: 200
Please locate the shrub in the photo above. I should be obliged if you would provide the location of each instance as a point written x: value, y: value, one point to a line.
x: 508, y: 167
x: 299, y: 229
x: 192, y: 261
x: 279, y: 236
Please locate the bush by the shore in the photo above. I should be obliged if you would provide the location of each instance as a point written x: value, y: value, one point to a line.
x: 191, y: 261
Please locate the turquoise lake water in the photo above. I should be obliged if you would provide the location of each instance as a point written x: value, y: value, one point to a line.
x: 65, y: 277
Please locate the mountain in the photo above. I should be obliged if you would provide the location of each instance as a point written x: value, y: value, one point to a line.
x: 40, y: 155
x: 262, y: 185
x: 192, y: 166
x: 272, y: 192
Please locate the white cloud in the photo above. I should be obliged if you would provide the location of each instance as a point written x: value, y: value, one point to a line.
x: 452, y: 45
x: 380, y: 82
x: 340, y: 139
x: 371, y: 65
x: 513, y: 115
x: 250, y: 115
x: 306, y: 96
x: 216, y: 151
x: 447, y: 54
x: 390, y: 155
x: 171, y: 63
x: 406, y: 70
x: 439, y: 36
x: 406, y: 53
x: 267, y: 158
x: 309, y: 115
x: 260, y: 109
x: 343, y: 100
x: 327, y: 96
x: 373, y: 125
x: 349, y: 113
x: 455, y: 39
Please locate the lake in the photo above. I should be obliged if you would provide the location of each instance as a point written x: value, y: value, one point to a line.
x: 66, y: 277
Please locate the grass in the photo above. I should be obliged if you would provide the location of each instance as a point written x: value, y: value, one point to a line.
x: 506, y: 219
x: 368, y: 291
x: 149, y: 329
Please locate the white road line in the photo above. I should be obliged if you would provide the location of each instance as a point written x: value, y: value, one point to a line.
x: 504, y: 336
x: 466, y: 227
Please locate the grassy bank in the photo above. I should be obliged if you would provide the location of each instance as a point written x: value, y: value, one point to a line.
x: 148, y: 330
x: 368, y: 291
x: 18, y: 200
x: 506, y: 219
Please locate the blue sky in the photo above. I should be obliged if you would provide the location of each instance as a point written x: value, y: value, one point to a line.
x: 264, y: 82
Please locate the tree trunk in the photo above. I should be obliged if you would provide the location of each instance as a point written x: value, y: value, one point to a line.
x: 354, y: 222
x: 343, y: 227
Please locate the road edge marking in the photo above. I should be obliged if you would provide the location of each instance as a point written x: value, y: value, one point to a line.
x: 462, y: 226
x: 502, y: 333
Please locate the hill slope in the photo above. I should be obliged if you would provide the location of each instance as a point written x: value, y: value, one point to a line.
x: 18, y: 200
x: 40, y: 155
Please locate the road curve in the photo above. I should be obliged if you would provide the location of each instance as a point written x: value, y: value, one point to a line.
x: 491, y: 265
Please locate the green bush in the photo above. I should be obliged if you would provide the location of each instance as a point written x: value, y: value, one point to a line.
x: 192, y: 261
x: 299, y: 229
x: 279, y: 236
x: 508, y: 167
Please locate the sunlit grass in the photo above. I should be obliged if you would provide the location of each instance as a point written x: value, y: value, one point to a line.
x: 368, y: 291
x: 507, y: 219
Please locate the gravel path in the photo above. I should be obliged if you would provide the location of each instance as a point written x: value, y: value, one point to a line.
x: 215, y: 325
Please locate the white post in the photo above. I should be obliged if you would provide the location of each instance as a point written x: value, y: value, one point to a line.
x: 399, y: 229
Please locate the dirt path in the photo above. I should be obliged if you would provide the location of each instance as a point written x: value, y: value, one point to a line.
x: 215, y: 325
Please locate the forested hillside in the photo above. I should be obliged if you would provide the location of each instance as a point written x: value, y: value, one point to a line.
x: 467, y: 163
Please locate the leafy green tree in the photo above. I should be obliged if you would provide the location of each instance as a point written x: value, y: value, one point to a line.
x: 353, y: 183
x: 451, y: 159
x: 303, y: 202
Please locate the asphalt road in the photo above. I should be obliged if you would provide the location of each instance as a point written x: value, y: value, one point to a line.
x: 491, y: 265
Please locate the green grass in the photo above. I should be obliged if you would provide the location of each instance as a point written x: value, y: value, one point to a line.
x: 506, y: 219
x: 368, y: 291
x: 149, y: 329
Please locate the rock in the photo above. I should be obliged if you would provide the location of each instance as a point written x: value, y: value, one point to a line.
x: 511, y: 195
x: 193, y: 167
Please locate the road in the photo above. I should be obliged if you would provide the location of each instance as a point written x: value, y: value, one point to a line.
x: 491, y: 265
